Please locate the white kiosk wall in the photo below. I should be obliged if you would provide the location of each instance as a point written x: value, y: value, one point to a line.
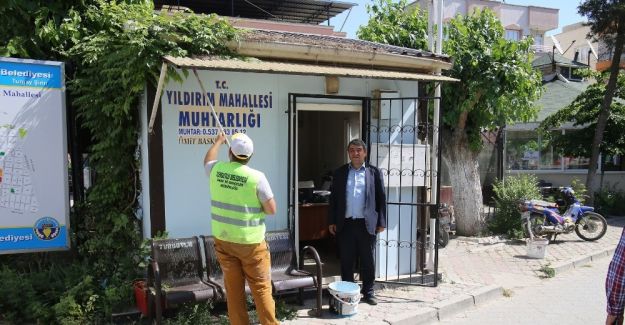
x: 254, y: 103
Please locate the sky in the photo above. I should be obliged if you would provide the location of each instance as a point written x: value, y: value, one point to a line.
x: 567, y: 15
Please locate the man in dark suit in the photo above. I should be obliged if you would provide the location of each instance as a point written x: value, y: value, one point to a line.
x: 357, y: 214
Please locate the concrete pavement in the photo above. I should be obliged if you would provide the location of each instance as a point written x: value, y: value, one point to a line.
x: 475, y: 272
x: 575, y: 298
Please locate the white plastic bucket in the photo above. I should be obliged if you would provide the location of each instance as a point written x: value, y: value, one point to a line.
x: 344, y: 297
x: 537, y: 247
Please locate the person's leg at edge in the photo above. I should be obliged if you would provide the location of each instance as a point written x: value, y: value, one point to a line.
x: 234, y: 281
x: 366, y: 249
x: 257, y: 268
x: 347, y: 244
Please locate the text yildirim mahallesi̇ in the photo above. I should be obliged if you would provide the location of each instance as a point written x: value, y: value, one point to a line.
x: 191, y: 118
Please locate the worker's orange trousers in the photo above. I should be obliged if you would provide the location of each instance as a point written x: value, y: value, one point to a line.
x: 251, y: 262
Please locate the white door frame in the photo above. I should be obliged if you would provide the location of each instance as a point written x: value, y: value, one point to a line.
x: 314, y: 107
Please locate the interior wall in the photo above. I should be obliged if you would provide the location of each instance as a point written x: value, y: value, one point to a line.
x: 322, y: 142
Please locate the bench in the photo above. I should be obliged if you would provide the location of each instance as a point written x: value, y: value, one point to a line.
x: 285, y: 274
x: 176, y: 275
x: 214, y: 273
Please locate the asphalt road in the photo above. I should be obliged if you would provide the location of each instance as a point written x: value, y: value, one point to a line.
x: 573, y: 297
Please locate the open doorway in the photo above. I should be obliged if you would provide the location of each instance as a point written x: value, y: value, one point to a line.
x: 323, y: 132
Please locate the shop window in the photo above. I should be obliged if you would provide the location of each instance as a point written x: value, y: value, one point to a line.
x: 522, y: 151
x: 538, y: 40
x: 513, y: 34
x: 575, y: 162
x: 614, y: 163
x: 549, y: 158
x: 565, y: 72
x: 525, y: 150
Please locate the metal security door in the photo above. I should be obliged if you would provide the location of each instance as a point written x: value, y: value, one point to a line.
x: 400, y: 139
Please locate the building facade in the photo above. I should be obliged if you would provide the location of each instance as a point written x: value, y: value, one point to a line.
x: 518, y: 21
x: 575, y: 44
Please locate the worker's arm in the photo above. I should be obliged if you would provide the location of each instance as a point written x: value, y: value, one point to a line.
x: 269, y: 206
x: 213, y: 151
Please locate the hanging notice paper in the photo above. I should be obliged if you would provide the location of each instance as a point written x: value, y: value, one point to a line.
x: 34, y: 204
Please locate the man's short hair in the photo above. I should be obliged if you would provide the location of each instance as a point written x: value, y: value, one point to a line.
x: 357, y: 143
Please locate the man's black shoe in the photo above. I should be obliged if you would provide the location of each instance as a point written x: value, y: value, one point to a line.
x: 371, y: 300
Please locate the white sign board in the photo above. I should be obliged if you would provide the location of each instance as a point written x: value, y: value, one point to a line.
x: 253, y: 103
x: 34, y: 204
x: 402, y: 165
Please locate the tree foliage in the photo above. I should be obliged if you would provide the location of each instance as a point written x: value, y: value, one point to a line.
x: 497, y: 83
x: 390, y: 23
x: 115, y: 50
x: 604, y: 18
x: 497, y: 86
x: 607, y: 22
x: 30, y: 27
x: 583, y: 113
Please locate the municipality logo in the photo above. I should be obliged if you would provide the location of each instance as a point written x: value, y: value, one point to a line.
x: 47, y: 228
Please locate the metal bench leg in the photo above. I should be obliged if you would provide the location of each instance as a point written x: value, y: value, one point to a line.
x: 300, y: 296
x: 159, y: 310
x: 319, y: 297
x: 150, y: 315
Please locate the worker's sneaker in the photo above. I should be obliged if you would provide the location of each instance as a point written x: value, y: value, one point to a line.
x: 371, y: 300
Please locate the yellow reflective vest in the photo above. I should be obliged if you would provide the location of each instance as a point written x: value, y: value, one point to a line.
x: 236, y: 212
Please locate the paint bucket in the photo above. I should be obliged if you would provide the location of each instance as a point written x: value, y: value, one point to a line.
x: 537, y: 247
x: 344, y: 297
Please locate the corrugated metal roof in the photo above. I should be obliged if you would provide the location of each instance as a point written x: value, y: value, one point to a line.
x: 326, y: 41
x: 294, y: 11
x: 295, y: 68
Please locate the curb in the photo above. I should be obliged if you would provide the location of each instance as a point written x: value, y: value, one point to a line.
x: 564, y: 266
x: 444, y: 309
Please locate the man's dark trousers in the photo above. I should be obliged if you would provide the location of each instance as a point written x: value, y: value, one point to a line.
x: 354, y: 240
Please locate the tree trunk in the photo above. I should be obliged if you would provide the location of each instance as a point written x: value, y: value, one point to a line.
x: 465, y: 179
x: 605, y: 112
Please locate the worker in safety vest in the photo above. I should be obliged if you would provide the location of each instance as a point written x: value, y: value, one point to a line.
x: 240, y: 199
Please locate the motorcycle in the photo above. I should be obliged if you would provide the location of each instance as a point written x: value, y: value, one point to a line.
x: 543, y: 219
x: 445, y: 223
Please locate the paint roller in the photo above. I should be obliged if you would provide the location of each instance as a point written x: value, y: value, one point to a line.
x: 221, y: 129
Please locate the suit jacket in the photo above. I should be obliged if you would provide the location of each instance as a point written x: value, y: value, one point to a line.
x: 375, y: 199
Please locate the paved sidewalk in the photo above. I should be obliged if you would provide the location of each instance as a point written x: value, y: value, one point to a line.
x: 577, y: 298
x: 473, y: 272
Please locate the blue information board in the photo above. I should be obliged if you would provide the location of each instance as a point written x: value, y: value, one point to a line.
x: 34, y: 189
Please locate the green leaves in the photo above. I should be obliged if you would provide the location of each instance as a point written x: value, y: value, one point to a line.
x: 113, y: 51
x: 119, y: 51
x: 389, y: 23
x: 583, y: 113
x: 507, y: 220
x: 497, y: 83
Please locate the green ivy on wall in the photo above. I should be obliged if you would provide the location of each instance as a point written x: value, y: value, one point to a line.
x: 115, y: 50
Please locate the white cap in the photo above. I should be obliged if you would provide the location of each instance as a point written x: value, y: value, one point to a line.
x: 241, y: 145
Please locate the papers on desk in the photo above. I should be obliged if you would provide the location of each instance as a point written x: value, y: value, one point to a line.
x: 322, y: 193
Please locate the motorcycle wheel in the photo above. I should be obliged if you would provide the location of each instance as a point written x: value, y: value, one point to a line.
x: 591, y: 226
x: 536, y: 220
x: 442, y: 238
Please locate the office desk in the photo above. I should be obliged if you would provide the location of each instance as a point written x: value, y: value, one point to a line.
x: 313, y: 221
